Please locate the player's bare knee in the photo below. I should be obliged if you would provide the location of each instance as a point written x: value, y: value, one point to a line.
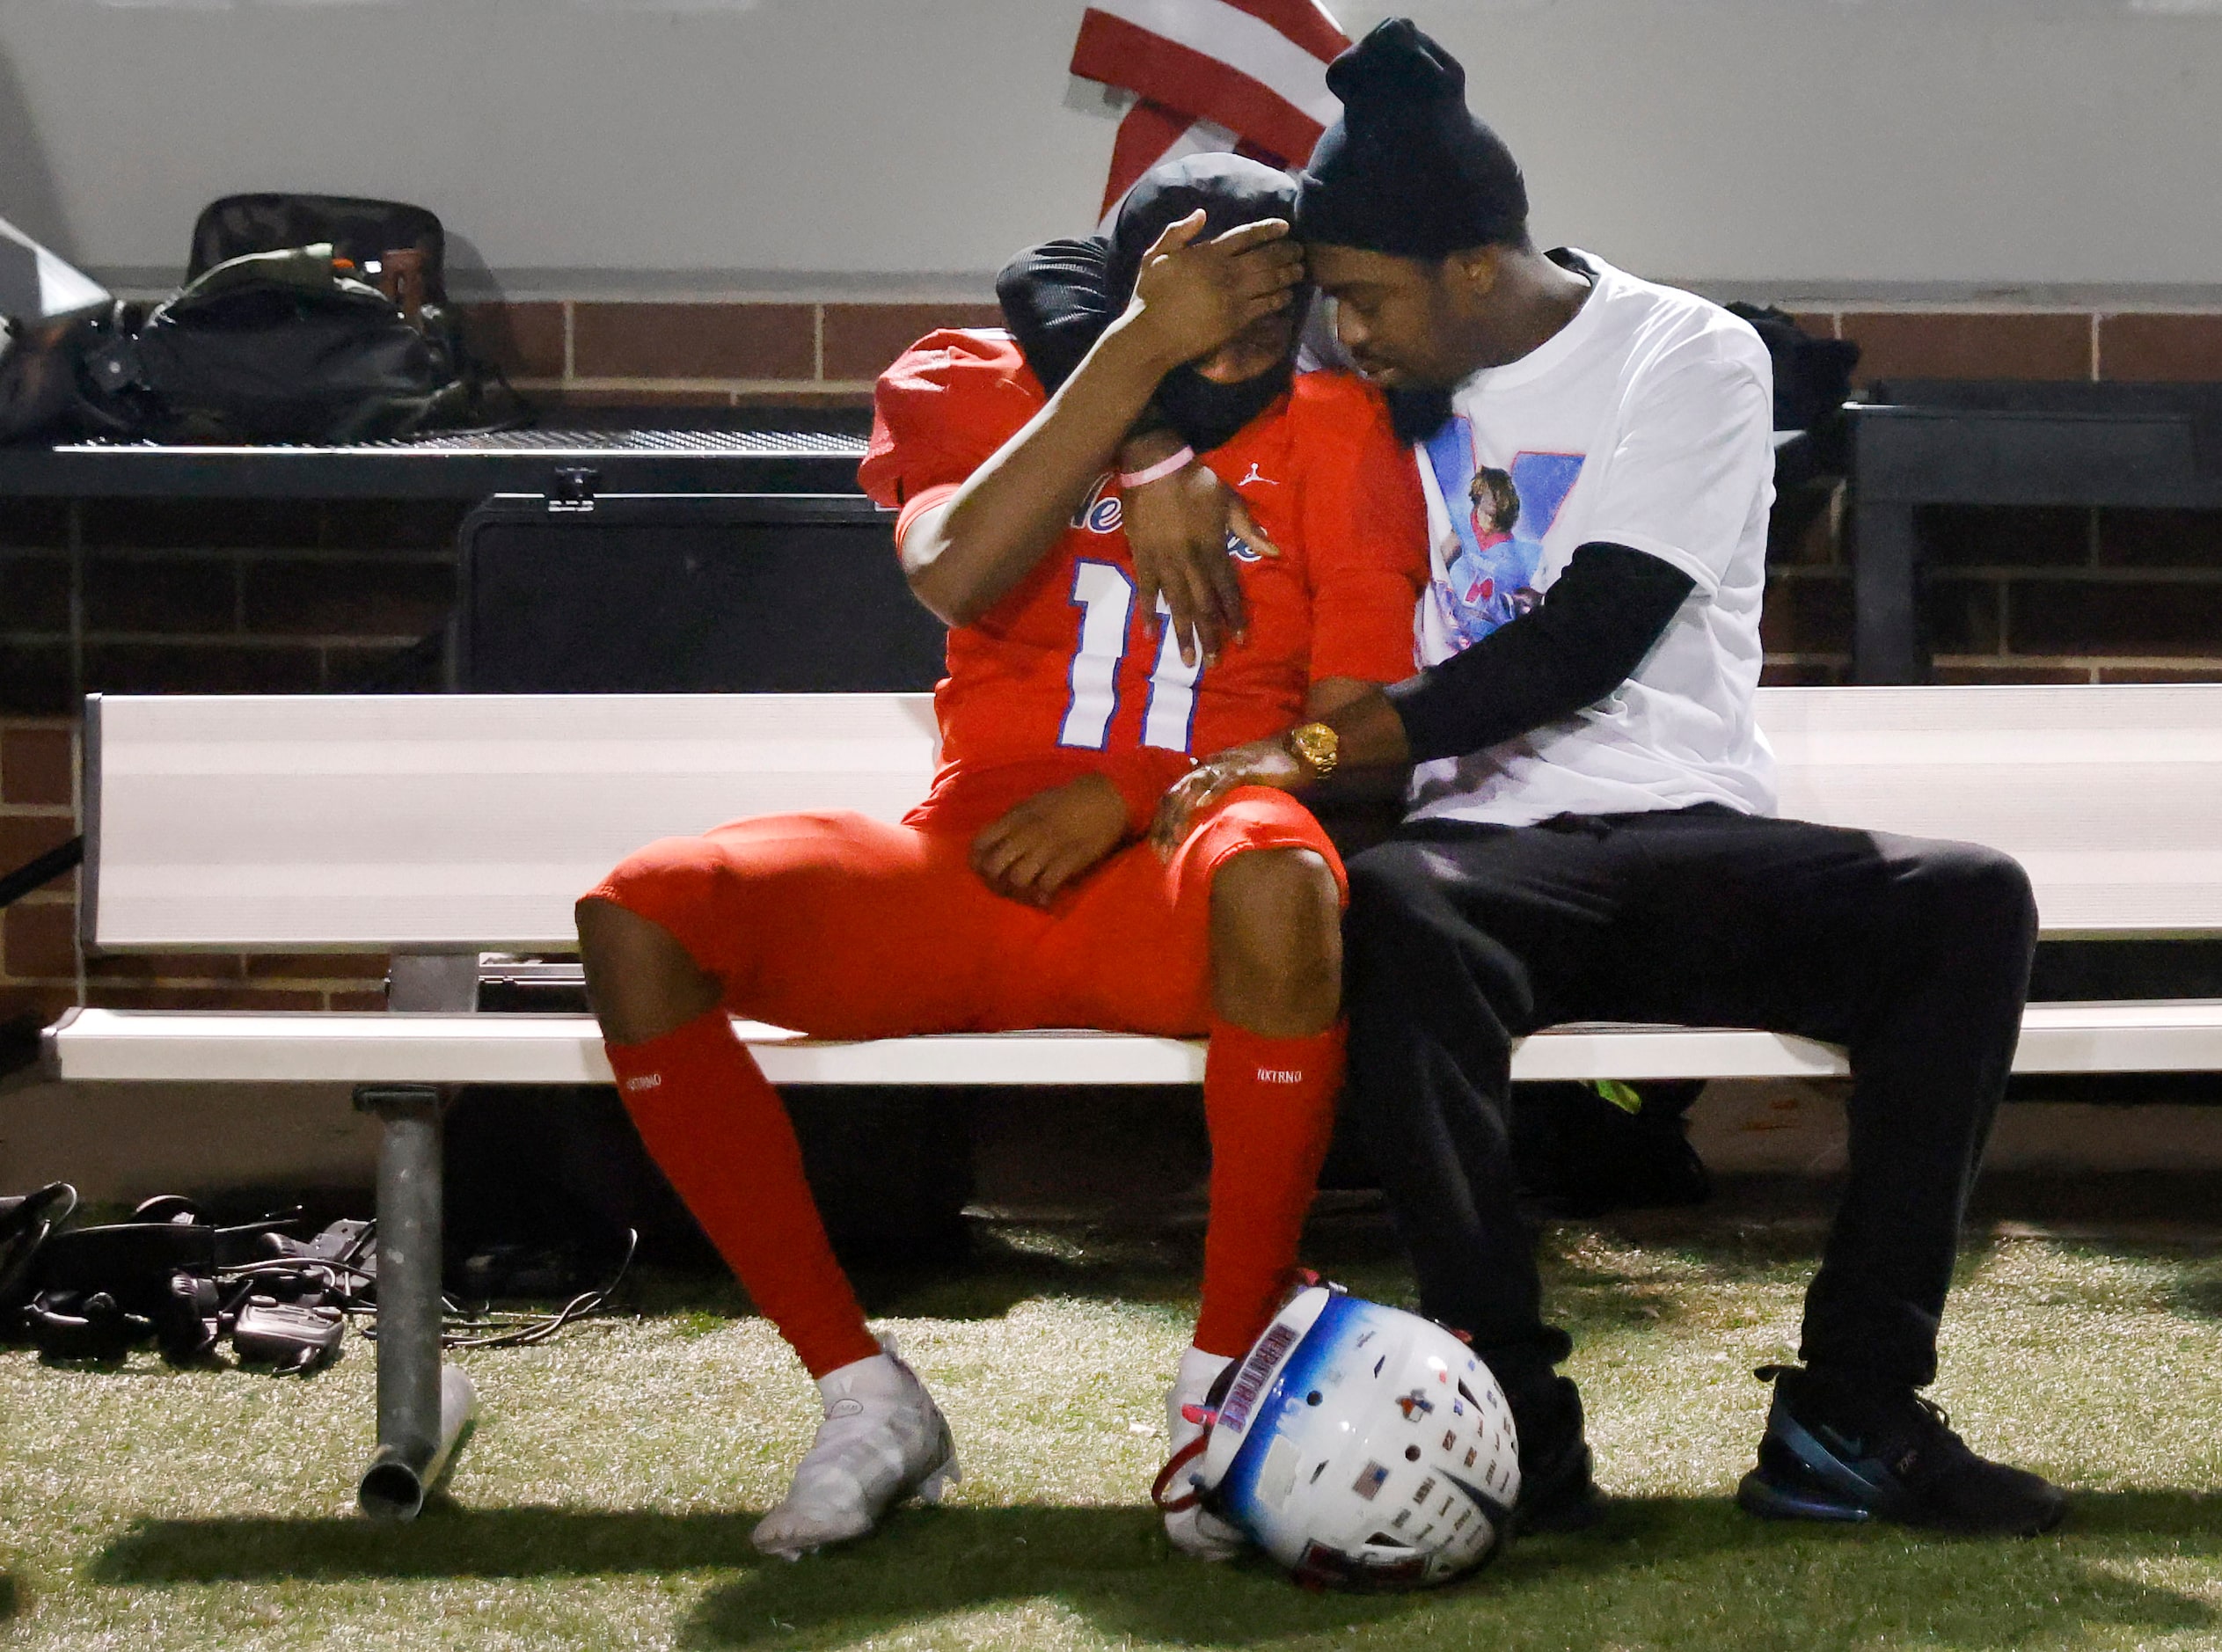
x: 640, y: 981
x: 1276, y: 942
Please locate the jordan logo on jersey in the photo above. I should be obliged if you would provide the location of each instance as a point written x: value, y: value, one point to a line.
x: 1101, y: 512
x: 1236, y: 548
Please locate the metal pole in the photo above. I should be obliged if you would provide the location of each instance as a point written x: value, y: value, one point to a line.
x: 1886, y: 576
x: 422, y: 1412
x: 1885, y: 591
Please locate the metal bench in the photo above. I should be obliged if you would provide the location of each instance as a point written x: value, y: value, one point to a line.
x: 433, y: 828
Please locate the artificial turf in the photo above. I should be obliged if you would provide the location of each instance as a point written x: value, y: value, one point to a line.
x: 607, y: 1500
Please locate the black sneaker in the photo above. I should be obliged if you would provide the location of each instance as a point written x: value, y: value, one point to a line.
x: 1556, y: 1491
x: 1834, y: 1451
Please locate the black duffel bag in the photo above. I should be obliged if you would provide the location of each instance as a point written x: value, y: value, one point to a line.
x: 305, y: 318
x: 362, y: 231
x: 289, y: 345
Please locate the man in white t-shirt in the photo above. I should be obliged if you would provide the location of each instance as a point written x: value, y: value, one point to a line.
x: 1590, y: 833
x: 1644, y: 423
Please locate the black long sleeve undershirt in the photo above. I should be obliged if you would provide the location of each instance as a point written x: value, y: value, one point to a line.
x: 1592, y: 630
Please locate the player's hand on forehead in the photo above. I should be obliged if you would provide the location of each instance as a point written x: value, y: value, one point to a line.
x: 1197, y: 296
x: 1266, y: 245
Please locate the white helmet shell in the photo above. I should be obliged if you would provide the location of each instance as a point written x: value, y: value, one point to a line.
x: 1363, y: 1446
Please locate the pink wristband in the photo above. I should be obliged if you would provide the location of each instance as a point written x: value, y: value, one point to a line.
x: 1158, y: 472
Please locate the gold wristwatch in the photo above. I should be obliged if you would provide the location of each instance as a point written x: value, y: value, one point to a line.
x: 1318, y: 747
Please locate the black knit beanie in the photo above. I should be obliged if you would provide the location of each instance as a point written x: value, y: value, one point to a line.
x: 1407, y: 169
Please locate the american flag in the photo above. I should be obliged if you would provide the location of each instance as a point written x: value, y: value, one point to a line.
x: 1249, y: 75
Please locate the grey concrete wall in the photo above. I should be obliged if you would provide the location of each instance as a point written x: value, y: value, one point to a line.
x: 1939, y: 148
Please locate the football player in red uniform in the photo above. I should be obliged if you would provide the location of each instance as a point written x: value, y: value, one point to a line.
x: 1019, y: 892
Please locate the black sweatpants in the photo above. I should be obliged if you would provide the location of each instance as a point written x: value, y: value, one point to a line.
x: 1461, y: 937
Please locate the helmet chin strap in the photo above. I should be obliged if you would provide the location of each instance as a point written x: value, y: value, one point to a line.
x: 1169, y: 1476
x: 1206, y: 1417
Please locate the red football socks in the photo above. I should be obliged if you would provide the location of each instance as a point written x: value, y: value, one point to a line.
x: 1269, y: 1103
x: 718, y: 1131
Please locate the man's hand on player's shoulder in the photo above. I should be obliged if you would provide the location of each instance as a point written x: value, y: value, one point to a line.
x: 1044, y: 843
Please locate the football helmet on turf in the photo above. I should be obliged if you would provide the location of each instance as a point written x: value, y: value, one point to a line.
x: 1359, y: 1445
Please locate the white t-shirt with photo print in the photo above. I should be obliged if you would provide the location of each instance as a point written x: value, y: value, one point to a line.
x: 1646, y: 422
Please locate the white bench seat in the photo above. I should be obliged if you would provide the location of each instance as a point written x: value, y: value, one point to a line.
x: 126, y: 1046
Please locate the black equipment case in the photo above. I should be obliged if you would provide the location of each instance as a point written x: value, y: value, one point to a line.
x: 687, y: 593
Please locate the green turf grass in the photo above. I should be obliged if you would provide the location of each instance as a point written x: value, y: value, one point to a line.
x: 607, y: 1500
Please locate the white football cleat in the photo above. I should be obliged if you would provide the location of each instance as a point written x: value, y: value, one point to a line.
x: 883, y: 1439
x: 1194, y: 1531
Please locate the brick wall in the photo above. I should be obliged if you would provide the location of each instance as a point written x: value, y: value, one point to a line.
x: 223, y: 596
x: 581, y: 355
x: 38, y: 935
x: 143, y: 597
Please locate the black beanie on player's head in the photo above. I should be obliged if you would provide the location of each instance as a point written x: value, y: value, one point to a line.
x: 1232, y: 192
x: 1408, y: 170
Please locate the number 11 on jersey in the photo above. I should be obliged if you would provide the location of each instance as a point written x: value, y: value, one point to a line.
x: 1105, y: 597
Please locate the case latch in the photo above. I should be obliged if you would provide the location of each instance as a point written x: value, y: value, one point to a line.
x: 574, y: 489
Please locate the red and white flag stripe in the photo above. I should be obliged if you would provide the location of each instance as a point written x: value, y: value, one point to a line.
x: 1255, y: 68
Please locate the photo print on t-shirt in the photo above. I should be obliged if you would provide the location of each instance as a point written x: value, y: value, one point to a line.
x: 1485, y: 571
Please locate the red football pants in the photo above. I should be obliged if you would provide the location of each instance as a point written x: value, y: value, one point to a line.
x: 844, y: 927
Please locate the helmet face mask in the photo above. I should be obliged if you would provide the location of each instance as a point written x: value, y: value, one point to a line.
x: 1363, y: 1447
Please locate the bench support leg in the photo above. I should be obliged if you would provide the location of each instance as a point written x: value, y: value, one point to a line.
x: 423, y: 1407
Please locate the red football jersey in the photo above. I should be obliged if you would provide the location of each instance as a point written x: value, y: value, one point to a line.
x: 1062, y: 677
